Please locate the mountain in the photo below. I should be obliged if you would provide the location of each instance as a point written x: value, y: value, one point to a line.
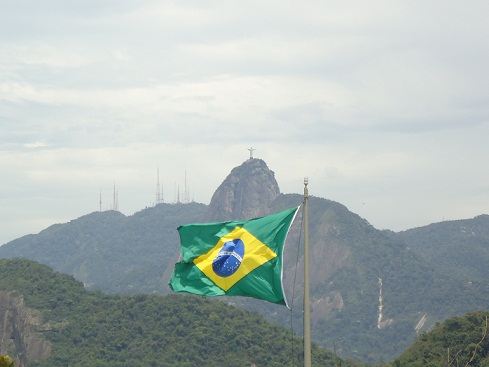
x: 247, y: 192
x: 111, y: 252
x: 459, y: 247
x: 49, y: 319
x: 372, y: 292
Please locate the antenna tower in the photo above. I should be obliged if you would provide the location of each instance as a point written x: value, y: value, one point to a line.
x: 185, y: 195
x: 115, y: 204
x: 174, y: 192
x: 158, y: 190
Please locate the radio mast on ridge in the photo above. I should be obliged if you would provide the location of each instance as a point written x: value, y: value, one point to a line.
x: 115, y: 204
x: 158, y: 198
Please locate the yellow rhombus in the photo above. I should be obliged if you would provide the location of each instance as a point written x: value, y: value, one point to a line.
x: 256, y: 254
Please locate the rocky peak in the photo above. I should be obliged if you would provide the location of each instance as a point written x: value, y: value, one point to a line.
x: 245, y: 193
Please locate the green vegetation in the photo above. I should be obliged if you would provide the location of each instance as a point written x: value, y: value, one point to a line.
x: 110, y: 252
x: 460, y: 247
x: 459, y: 341
x: 89, y: 328
x: 421, y: 269
x: 6, y: 361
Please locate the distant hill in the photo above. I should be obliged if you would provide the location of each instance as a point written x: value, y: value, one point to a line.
x: 460, y: 247
x: 372, y: 291
x: 49, y: 319
x: 111, y: 252
x: 350, y: 262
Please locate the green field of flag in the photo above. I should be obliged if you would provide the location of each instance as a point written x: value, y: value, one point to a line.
x: 235, y: 258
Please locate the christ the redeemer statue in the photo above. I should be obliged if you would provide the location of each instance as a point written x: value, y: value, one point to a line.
x: 251, y: 152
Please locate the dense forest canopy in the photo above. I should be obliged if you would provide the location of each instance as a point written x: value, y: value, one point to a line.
x: 89, y: 328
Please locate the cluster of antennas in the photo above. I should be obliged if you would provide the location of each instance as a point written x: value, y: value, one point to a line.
x: 115, y: 201
x: 178, y: 197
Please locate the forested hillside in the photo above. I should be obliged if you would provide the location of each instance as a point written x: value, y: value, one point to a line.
x: 111, y: 252
x: 87, y: 328
x: 459, y: 247
x: 459, y: 341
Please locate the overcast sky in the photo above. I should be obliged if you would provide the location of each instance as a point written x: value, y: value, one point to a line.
x: 384, y: 105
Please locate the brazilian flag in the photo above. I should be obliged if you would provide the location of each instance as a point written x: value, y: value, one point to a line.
x: 237, y: 258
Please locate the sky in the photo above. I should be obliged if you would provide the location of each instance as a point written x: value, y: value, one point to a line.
x: 383, y: 105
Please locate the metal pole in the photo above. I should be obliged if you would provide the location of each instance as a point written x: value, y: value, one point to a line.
x: 307, y: 311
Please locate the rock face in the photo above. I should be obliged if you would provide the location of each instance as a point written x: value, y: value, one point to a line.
x: 245, y: 193
x: 19, y: 332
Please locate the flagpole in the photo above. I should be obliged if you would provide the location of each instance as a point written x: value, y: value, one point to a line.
x: 307, y: 311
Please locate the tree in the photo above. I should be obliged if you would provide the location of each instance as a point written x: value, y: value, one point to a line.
x: 6, y: 361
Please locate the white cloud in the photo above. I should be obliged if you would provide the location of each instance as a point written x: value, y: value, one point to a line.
x: 383, y: 105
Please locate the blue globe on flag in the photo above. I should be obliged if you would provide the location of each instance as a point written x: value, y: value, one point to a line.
x: 229, y: 258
